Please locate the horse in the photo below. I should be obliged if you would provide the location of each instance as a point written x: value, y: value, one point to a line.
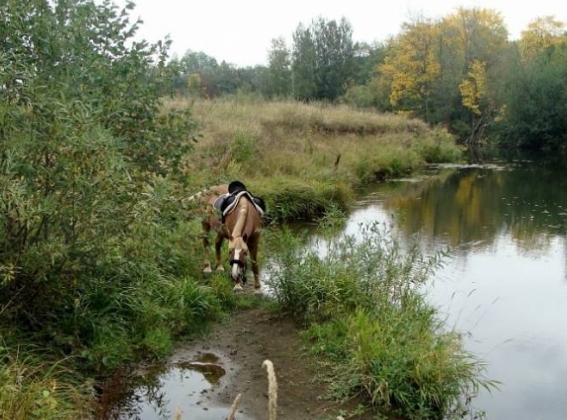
x: 235, y: 215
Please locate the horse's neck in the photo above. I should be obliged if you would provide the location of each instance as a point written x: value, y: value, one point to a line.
x: 241, y: 216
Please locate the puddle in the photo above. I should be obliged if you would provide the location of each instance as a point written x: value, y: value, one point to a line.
x: 189, y: 387
x: 208, y: 365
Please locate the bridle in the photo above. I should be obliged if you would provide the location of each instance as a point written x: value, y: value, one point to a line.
x: 241, y: 263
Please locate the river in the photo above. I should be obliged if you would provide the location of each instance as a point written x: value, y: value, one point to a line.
x: 505, y: 283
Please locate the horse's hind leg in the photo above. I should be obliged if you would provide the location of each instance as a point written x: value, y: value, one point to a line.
x: 218, y: 247
x: 206, y: 245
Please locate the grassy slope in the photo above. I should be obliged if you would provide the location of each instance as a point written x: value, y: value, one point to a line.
x: 293, y: 153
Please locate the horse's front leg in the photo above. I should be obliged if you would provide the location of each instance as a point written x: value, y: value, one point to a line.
x: 218, y: 247
x: 253, y: 247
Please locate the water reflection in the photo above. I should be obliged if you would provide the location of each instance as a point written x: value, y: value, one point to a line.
x: 475, y: 205
x: 505, y: 283
x: 185, y: 390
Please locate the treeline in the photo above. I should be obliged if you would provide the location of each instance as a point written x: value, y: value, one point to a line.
x: 460, y: 71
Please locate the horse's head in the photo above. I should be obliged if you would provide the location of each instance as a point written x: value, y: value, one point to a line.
x: 238, y: 254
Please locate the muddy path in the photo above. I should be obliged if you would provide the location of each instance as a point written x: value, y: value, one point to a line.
x: 242, y: 343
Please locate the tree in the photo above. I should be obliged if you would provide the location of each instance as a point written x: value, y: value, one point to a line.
x: 474, y: 91
x: 534, y: 113
x: 541, y: 34
x: 412, y: 67
x: 278, y: 75
x: 470, y: 37
x: 428, y: 65
x: 334, y: 57
x: 304, y: 65
x: 323, y: 60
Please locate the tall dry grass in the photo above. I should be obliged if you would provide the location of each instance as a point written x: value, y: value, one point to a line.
x: 309, y: 146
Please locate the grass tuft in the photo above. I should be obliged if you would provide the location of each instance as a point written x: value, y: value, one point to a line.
x: 362, y: 304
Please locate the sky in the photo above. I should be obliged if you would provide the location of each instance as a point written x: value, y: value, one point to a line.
x: 240, y: 31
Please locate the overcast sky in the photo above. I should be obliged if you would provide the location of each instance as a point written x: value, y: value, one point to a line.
x: 240, y: 31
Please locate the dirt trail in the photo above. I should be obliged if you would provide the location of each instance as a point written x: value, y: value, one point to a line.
x: 243, y: 343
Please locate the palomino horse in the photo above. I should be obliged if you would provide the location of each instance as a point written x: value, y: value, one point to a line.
x: 234, y: 214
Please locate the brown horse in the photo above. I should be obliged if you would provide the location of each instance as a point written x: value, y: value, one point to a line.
x: 241, y: 226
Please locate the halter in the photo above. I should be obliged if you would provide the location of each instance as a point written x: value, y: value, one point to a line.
x: 240, y: 263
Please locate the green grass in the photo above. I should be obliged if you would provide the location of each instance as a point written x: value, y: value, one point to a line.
x: 360, y: 300
x: 34, y: 386
x: 295, y: 153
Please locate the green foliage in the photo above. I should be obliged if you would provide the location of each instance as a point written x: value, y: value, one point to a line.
x: 534, y: 113
x: 365, y: 314
x: 438, y: 147
x: 323, y: 59
x: 84, y: 143
x: 243, y: 148
x: 292, y: 199
x: 93, y: 238
x: 278, y: 76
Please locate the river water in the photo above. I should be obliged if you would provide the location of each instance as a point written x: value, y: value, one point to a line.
x: 505, y: 282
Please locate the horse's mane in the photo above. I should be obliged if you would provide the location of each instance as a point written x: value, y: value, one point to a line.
x: 241, y: 216
x: 239, y: 243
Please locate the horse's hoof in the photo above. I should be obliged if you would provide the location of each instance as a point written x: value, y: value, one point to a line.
x: 207, y: 270
x: 220, y: 268
x: 257, y: 291
x: 237, y: 288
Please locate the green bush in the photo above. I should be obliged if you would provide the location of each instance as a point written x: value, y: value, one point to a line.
x: 93, y: 229
x: 88, y: 165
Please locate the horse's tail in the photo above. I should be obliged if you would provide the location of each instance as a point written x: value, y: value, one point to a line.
x: 196, y: 197
x: 203, y: 195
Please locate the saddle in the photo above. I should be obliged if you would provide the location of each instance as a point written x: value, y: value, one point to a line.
x: 236, y: 190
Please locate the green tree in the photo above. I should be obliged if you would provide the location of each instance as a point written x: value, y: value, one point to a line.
x: 323, y: 60
x: 534, y: 113
x: 304, y: 65
x: 278, y: 74
x: 334, y: 57
x: 197, y: 63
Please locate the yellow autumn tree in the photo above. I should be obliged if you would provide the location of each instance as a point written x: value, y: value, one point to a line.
x: 412, y: 68
x: 473, y: 95
x: 473, y: 87
x: 195, y: 85
x: 541, y: 33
